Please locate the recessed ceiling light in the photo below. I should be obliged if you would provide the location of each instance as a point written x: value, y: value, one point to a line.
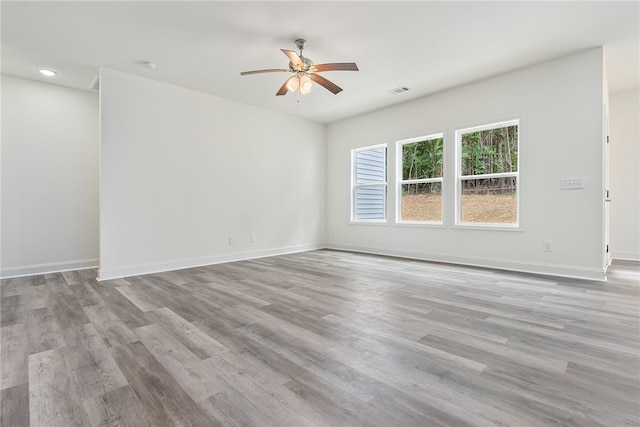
x: 48, y: 73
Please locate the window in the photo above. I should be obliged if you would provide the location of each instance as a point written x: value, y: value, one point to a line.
x: 369, y: 184
x: 487, y: 174
x: 420, y: 179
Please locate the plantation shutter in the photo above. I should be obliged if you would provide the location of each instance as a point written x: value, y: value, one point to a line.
x: 371, y: 185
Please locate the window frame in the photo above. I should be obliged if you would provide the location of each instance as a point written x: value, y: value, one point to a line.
x: 458, y: 223
x: 355, y: 185
x: 400, y: 181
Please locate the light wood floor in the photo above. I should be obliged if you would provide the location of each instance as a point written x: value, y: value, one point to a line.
x: 321, y: 338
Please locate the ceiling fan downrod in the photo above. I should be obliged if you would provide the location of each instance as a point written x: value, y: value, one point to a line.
x: 300, y: 44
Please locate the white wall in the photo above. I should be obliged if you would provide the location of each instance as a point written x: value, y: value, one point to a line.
x: 174, y: 182
x: 49, y: 178
x: 560, y: 104
x: 625, y: 174
x: 181, y: 171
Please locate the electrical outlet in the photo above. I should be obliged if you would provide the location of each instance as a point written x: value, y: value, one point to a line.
x: 546, y: 246
x: 252, y: 238
x: 232, y: 240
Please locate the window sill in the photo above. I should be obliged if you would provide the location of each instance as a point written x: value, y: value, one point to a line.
x: 488, y: 227
x: 381, y: 222
x: 419, y: 224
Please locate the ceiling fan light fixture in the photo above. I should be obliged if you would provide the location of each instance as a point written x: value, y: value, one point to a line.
x: 305, y: 84
x: 293, y: 83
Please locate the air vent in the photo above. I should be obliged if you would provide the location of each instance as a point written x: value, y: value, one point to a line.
x: 95, y: 84
x: 401, y: 89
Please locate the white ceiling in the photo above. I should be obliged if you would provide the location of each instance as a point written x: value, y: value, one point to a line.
x: 426, y: 46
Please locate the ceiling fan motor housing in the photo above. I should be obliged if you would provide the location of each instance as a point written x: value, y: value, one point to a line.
x: 307, y: 64
x: 300, y: 44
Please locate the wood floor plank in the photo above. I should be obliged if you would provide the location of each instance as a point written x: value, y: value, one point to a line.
x: 53, y: 397
x: 273, y: 360
x: 138, y: 298
x: 112, y: 329
x: 14, y: 406
x: 91, y: 363
x: 149, y: 296
x: 270, y: 293
x: 68, y: 311
x: 117, y: 408
x: 37, y: 296
x: 314, y: 360
x: 577, y: 353
x: 198, y: 342
x: 547, y: 396
x: 15, y: 285
x: 13, y: 310
x: 230, y: 409
x: 72, y: 277
x: 165, y: 402
x: 119, y: 305
x: 43, y: 330
x: 85, y: 294
x: 224, y: 329
x: 14, y: 352
x: 403, y: 351
x: 188, y: 369
x: 56, y: 284
x: 76, y: 277
x: 230, y: 292
x: 273, y: 400
x: 492, y: 354
x: 340, y: 407
x: 405, y: 409
x: 253, y: 367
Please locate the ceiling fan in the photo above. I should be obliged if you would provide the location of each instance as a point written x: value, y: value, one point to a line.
x: 305, y: 72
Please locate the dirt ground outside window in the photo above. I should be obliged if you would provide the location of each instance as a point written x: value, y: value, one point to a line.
x: 478, y: 208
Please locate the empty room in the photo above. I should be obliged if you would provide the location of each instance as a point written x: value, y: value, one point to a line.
x: 320, y: 213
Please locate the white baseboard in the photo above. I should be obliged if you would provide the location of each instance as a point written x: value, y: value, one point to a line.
x: 626, y: 256
x: 51, y: 267
x: 115, y: 273
x: 524, y: 267
x: 138, y: 270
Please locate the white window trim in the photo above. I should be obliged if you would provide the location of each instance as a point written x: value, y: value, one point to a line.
x: 384, y: 184
x: 457, y: 223
x: 401, y: 182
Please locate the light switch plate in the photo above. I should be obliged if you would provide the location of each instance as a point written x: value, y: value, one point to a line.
x: 571, y: 183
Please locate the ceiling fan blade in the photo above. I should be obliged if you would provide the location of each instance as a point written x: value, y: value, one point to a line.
x: 294, y: 58
x: 331, y: 87
x: 273, y: 70
x: 284, y: 89
x: 337, y: 66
